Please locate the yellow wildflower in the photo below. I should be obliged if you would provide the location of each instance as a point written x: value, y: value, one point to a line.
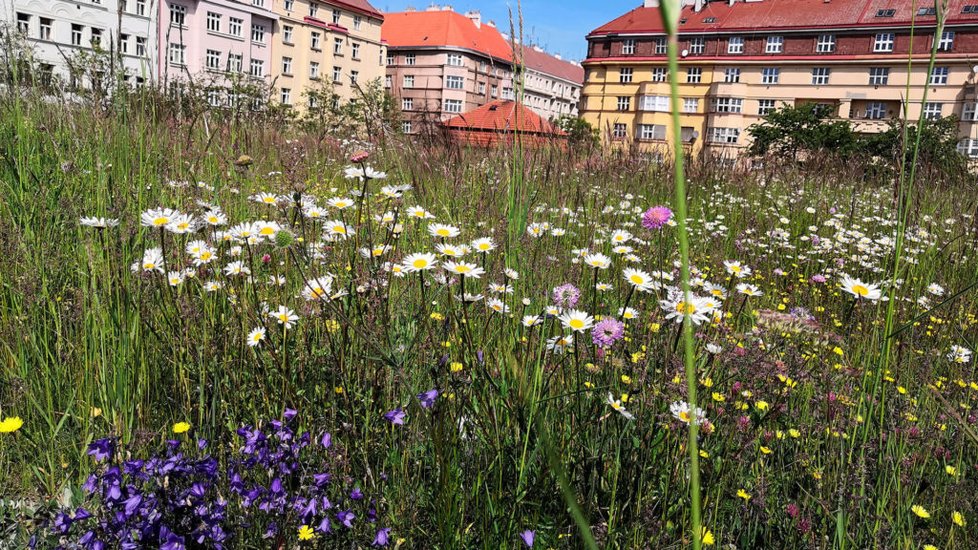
x: 181, y: 427
x: 920, y: 511
x: 10, y: 424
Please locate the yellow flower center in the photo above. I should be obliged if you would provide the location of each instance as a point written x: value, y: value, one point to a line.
x: 636, y: 279
x: 860, y: 290
x: 686, y: 309
x: 161, y: 221
x: 576, y: 324
x: 420, y: 263
x: 339, y: 229
x: 267, y: 230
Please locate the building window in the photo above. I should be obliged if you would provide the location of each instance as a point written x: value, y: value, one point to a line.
x: 628, y: 47
x: 694, y: 75
x: 770, y: 75
x: 337, y: 46
x: 735, y: 44
x: 354, y: 75
x: 883, y: 42
x: 96, y: 39
x: 314, y: 70
x: 76, y: 34
x: 124, y: 43
x: 287, y: 65
x: 286, y: 96
x: 661, y: 46
x: 619, y: 131
x: 212, y: 60
x: 875, y: 110
x: 655, y: 103
x: 336, y: 17
x: 141, y: 46
x: 731, y: 75
x: 507, y: 92
x: 825, y: 43
x: 213, y: 22
x: 765, y: 106
x: 257, y: 68
x: 235, y: 26
x: 968, y: 147
x: 177, y: 54
x: 455, y: 60
x: 727, y: 105
x: 178, y: 14
x: 879, y: 76
x: 970, y: 112
x: 775, y: 44
x: 452, y: 105
x: 625, y: 75
x: 388, y: 81
x: 287, y: 33
x: 691, y: 104
x: 946, y: 43
x: 357, y: 21
x: 315, y: 40
x: 697, y: 45
x: 455, y: 82
x: 258, y: 33
x: 659, y: 74
x: 46, y: 26
x: 390, y: 59
x: 885, y: 13
x: 24, y: 23
x: 624, y: 103
x: 494, y: 91
x: 289, y: 4
x: 651, y: 132
x: 820, y: 76
x: 337, y: 75
x: 235, y: 62
x: 723, y: 135
x: 406, y: 127
x: 933, y: 111
x: 214, y: 98
x: 141, y: 7
x: 355, y: 50
x: 482, y: 88
x: 408, y: 81
x: 938, y: 76
x: 313, y: 9
x: 407, y: 104
x: 410, y: 59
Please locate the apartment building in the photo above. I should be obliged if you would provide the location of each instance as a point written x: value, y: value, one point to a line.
x: 216, y: 42
x: 333, y: 44
x: 740, y: 59
x: 61, y: 32
x: 441, y: 63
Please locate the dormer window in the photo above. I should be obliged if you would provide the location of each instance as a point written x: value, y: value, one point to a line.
x: 710, y: 20
x: 885, y: 13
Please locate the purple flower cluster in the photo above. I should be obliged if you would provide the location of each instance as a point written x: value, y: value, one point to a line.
x: 656, y: 217
x: 566, y: 295
x: 276, y: 482
x: 606, y: 332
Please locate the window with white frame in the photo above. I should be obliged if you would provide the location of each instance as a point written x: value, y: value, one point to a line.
x: 770, y: 75
x: 727, y: 105
x: 141, y: 7
x: 933, y: 111
x: 452, y: 105
x: 655, y: 103
x: 141, y: 46
x: 213, y: 22
x: 407, y: 104
x: 286, y: 96
x: 76, y: 34
x: 357, y: 22
x: 289, y: 4
x: 508, y: 93
x: 314, y: 70
x: 315, y: 40
x: 625, y: 75
x: 968, y: 147
x: 124, y: 43
x: 694, y: 75
x: 774, y: 44
x: 96, y: 39
x: 820, y: 76
x: 651, y: 132
x: 354, y: 76
x: 875, y: 110
x: 177, y: 54
x: 691, y: 104
x: 624, y: 103
x: 257, y: 68
x: 659, y: 74
x: 336, y: 17
x: 406, y: 127
x: 313, y: 9
x: 455, y: 60
x: 879, y: 76
x: 337, y: 46
x: 235, y: 26
x: 178, y: 14
x: 697, y: 45
x: 619, y: 130
x: 212, y: 60
x: 661, y: 46
x: 45, y: 28
x: 765, y: 106
x: 628, y: 47
x: 946, y: 43
x: 235, y: 62
x: 337, y: 75
x: 391, y: 59
x: 214, y: 98
x: 355, y: 50
x: 938, y: 77
x: 455, y: 82
x: 719, y: 134
x: 258, y: 33
x: 410, y: 59
x: 731, y: 75
x: 883, y: 42
x: 482, y: 88
x: 409, y: 81
x: 735, y: 44
x: 825, y: 43
x: 388, y: 81
x: 287, y: 65
x: 970, y: 112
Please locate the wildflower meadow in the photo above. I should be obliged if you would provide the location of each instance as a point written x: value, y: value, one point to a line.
x: 226, y: 333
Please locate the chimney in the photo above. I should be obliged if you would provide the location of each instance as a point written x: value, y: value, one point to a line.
x: 491, y: 23
x: 433, y: 7
x: 698, y: 6
x: 651, y: 4
x: 475, y: 17
x: 557, y: 56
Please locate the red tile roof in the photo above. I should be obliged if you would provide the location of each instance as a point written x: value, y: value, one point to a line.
x: 362, y: 6
x: 503, y: 115
x: 443, y: 28
x: 765, y: 15
x: 546, y: 63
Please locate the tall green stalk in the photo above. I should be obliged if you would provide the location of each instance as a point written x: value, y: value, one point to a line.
x: 670, y: 16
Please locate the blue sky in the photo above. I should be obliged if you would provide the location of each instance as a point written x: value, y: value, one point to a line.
x: 558, y: 25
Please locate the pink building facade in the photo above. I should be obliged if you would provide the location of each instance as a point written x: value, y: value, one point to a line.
x: 216, y: 42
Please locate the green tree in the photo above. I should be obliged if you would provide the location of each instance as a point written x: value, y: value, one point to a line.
x: 580, y: 133
x: 938, y: 155
x: 807, y: 128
